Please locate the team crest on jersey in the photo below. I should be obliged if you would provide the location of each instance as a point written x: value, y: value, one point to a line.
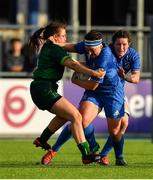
x: 126, y: 64
x: 116, y: 113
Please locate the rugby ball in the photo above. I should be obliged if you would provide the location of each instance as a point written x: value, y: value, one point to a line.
x: 80, y: 76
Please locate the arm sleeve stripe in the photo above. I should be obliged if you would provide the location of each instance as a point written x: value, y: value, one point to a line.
x: 64, y: 58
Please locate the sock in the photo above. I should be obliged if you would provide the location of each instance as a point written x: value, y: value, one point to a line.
x: 107, y: 147
x: 62, y: 138
x: 90, y: 136
x: 46, y: 134
x: 84, y: 148
x: 118, y: 148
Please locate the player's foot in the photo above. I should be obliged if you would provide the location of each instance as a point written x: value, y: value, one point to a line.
x: 120, y: 162
x: 104, y: 161
x: 46, y: 159
x: 95, y: 148
x: 37, y: 143
x: 90, y: 158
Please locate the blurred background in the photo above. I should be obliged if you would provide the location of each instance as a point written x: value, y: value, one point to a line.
x: 20, y: 18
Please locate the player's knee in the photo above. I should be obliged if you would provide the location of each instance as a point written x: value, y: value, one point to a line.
x: 124, y: 126
x: 123, y: 129
x: 77, y: 117
x: 85, y: 123
x: 115, y: 135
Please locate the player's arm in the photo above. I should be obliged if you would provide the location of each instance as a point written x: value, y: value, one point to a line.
x: 70, y: 47
x: 78, y: 67
x: 132, y: 77
x: 86, y: 84
x: 84, y: 81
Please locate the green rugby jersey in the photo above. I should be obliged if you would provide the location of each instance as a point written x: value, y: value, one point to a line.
x: 50, y: 62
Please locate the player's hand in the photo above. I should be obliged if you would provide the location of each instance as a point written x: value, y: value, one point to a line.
x: 100, y: 73
x: 121, y: 72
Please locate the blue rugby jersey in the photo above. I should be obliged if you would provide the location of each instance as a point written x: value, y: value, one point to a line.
x: 129, y: 62
x: 111, y: 83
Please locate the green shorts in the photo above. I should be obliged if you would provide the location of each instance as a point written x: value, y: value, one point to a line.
x: 44, y: 93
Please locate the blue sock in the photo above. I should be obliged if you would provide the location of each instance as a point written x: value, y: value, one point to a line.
x: 107, y: 147
x: 62, y: 138
x: 90, y: 136
x: 118, y: 148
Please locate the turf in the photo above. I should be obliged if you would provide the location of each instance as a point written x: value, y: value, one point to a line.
x: 19, y: 159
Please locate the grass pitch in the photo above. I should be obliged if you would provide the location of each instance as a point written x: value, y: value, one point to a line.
x: 19, y: 159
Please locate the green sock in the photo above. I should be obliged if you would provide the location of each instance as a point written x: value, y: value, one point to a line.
x: 84, y: 148
x: 46, y: 134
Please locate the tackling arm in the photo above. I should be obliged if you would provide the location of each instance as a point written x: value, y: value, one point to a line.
x: 86, y: 84
x: 78, y: 67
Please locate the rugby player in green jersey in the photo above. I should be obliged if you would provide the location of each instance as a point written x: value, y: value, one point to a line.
x: 50, y: 68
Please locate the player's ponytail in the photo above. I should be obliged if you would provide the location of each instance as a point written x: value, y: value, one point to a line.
x: 41, y: 35
x: 36, y: 41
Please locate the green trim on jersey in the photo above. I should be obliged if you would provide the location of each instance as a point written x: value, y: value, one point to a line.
x: 64, y: 58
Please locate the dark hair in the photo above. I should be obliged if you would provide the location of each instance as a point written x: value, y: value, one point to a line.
x: 122, y: 34
x: 93, y: 35
x: 15, y: 40
x: 42, y: 34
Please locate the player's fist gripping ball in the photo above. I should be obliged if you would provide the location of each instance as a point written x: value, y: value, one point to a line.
x: 80, y: 76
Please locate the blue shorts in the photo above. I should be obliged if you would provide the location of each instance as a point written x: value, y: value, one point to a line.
x: 113, y: 107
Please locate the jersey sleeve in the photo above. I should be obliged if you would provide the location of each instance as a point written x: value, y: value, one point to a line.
x: 80, y: 48
x: 135, y: 60
x: 62, y: 55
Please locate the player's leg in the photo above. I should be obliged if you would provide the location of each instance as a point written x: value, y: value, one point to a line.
x: 117, y: 139
x: 48, y: 132
x: 64, y: 109
x: 125, y: 118
x: 124, y: 125
x: 106, y: 148
x: 88, y: 130
x: 89, y: 111
x: 64, y: 136
x: 66, y: 132
x: 108, y: 145
x: 90, y: 136
x: 114, y: 113
x: 45, y: 101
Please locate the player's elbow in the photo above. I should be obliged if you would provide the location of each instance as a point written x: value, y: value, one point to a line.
x: 93, y: 86
x: 135, y: 80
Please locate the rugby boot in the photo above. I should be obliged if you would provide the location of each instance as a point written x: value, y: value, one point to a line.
x: 90, y: 158
x: 45, y: 145
x: 46, y: 159
x: 104, y: 161
x: 121, y: 162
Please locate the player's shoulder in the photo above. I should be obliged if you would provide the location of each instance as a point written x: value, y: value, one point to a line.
x: 80, y: 47
x: 107, y: 49
x: 133, y: 54
x: 132, y: 50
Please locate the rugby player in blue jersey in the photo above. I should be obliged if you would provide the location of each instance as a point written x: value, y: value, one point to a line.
x: 104, y: 93
x: 128, y: 63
